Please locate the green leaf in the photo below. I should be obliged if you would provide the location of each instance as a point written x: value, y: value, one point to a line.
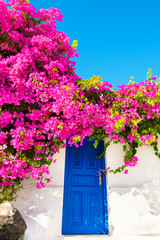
x: 96, y: 143
x: 124, y: 148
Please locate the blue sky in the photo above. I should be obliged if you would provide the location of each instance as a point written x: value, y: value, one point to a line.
x: 117, y: 39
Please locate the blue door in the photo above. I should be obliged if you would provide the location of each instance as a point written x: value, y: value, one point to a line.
x: 85, y: 197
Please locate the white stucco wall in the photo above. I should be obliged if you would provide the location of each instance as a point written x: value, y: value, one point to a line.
x: 133, y: 199
x: 57, y: 169
x: 146, y: 171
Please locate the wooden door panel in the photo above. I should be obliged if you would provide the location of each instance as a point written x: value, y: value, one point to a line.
x: 84, y: 207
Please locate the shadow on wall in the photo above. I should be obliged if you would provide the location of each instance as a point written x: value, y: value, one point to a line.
x: 41, y: 209
x: 135, y: 210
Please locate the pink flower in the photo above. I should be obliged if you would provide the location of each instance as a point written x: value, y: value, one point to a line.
x: 126, y: 171
x: 154, y: 78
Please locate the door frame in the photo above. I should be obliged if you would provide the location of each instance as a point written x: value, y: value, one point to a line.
x: 105, y: 196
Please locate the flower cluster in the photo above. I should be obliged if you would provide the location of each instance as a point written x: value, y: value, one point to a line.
x: 132, y: 162
x: 38, y: 110
x: 133, y: 118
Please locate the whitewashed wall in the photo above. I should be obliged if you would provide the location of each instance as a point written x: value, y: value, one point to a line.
x: 147, y: 169
x: 133, y: 199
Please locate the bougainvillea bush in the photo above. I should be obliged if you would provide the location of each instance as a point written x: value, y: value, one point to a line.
x: 43, y: 102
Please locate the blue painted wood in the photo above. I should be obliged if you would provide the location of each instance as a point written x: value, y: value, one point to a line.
x: 85, y: 201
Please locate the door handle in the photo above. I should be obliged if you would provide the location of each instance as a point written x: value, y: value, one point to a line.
x: 100, y: 178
